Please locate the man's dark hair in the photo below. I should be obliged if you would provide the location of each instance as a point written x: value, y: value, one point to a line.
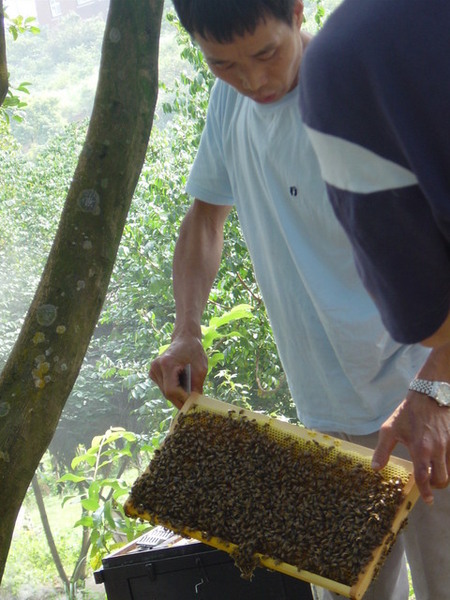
x: 222, y: 20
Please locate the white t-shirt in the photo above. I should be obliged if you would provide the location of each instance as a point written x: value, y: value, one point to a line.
x: 344, y: 371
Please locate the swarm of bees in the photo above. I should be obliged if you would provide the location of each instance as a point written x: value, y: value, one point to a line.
x: 297, y: 502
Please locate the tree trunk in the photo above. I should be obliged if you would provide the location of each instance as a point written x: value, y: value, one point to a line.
x: 3, y: 65
x: 48, y: 532
x: 80, y: 570
x: 46, y: 359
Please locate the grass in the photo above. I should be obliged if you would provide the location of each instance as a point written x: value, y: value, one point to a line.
x: 30, y: 571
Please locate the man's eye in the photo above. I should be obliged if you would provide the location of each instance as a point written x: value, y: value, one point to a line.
x: 222, y: 66
x: 267, y: 55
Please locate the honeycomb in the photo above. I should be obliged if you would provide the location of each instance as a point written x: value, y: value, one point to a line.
x: 273, y: 495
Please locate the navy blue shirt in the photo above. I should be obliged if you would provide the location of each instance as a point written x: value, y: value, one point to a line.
x: 375, y: 97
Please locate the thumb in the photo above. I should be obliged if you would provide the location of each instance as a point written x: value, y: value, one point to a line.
x: 382, y: 452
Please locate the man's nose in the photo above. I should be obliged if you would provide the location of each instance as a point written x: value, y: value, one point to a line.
x: 254, y: 78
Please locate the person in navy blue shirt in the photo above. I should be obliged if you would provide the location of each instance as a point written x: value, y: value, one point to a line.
x: 375, y: 98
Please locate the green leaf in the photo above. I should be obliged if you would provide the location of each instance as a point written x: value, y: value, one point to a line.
x: 85, y: 521
x: 121, y: 492
x: 90, y: 504
x: 72, y: 477
x: 209, y: 336
x: 108, y: 514
x: 214, y: 360
x: 90, y: 460
x: 241, y: 311
x: 67, y: 499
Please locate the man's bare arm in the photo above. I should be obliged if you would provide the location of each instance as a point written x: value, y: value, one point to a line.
x: 197, y: 259
x: 423, y: 427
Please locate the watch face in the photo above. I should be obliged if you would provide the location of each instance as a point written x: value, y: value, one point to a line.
x: 443, y: 394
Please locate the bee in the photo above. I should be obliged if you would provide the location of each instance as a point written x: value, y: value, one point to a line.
x: 232, y: 478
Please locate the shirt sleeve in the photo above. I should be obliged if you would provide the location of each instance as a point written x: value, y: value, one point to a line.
x: 208, y: 180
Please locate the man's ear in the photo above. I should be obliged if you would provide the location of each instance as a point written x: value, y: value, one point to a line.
x: 298, y: 13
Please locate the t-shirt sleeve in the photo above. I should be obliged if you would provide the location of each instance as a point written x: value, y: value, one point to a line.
x: 208, y: 180
x: 375, y: 85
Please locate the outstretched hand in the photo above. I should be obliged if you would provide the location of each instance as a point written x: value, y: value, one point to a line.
x: 424, y: 428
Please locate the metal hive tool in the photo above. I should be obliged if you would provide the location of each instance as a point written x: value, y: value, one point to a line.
x: 276, y: 495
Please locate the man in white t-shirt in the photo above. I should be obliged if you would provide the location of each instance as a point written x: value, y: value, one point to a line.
x: 345, y: 373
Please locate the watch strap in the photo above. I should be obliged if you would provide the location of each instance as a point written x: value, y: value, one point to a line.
x: 438, y: 390
x: 423, y: 386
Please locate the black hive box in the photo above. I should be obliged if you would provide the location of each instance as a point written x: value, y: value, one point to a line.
x: 193, y: 571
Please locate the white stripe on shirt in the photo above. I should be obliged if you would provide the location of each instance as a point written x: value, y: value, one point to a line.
x: 350, y: 167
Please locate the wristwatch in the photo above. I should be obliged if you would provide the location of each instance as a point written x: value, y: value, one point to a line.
x: 438, y: 390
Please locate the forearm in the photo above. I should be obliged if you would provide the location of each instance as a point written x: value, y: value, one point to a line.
x: 437, y: 365
x: 196, y: 262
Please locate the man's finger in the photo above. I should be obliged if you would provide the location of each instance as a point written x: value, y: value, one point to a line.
x: 383, y: 450
x: 439, y: 474
x: 422, y: 475
x: 172, y: 389
x: 155, y: 373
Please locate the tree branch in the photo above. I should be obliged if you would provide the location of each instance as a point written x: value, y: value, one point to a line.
x: 48, y: 532
x: 3, y: 64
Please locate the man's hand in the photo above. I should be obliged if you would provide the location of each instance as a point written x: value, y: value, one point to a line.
x: 424, y: 428
x: 166, y: 370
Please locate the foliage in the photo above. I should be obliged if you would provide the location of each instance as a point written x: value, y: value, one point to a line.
x: 31, y: 198
x: 63, y: 78
x: 13, y: 105
x: 190, y: 94
x: 137, y: 318
x: 316, y: 12
x: 19, y: 25
x: 29, y: 565
x: 96, y: 481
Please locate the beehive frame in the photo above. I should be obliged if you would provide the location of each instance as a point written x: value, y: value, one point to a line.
x: 284, y: 433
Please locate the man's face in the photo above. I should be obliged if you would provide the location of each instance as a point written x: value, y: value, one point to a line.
x: 263, y: 65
